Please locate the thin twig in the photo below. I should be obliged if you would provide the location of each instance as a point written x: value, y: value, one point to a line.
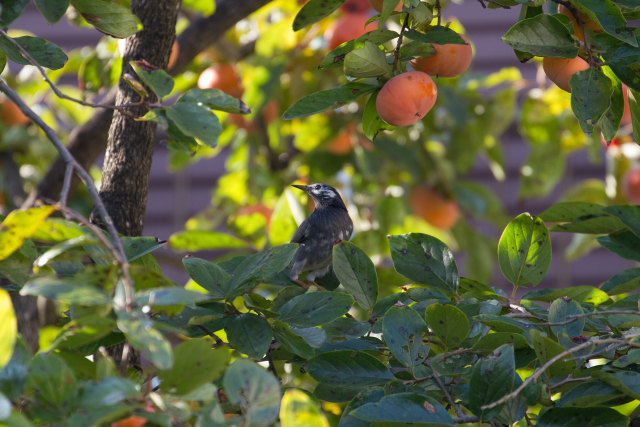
x: 62, y: 95
x: 574, y: 317
x: 554, y: 359
x: 436, y: 377
x: 396, y: 56
x: 118, y: 253
x: 439, y: 9
x: 466, y: 419
x: 576, y: 15
x: 66, y: 184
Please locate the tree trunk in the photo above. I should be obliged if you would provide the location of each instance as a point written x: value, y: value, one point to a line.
x: 130, y: 145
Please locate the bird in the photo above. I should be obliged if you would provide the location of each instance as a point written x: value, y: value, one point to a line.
x: 327, y: 225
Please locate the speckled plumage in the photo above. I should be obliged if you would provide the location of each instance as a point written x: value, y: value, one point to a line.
x: 327, y: 225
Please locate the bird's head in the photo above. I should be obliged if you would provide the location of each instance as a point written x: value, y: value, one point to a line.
x: 323, y: 195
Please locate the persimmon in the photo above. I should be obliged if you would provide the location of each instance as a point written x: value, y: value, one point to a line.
x: 631, y: 185
x: 433, y: 208
x: 450, y: 60
x: 11, y: 114
x: 560, y: 70
x: 406, y: 98
x: 588, y: 23
x: 377, y: 5
x: 348, y: 27
x: 342, y: 143
x: 132, y: 421
x: 173, y: 56
x: 223, y: 77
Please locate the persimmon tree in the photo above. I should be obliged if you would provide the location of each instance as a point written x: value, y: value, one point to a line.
x: 398, y: 332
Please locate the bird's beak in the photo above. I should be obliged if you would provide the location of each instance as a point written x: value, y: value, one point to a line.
x: 304, y: 188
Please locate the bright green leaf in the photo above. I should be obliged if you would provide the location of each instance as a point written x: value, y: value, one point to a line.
x: 197, y: 240
x: 524, y: 250
x: 324, y: 99
x: 9, y: 330
x: 367, y: 61
x: 110, y: 18
x: 356, y: 273
x: 19, y: 226
x: 542, y: 35
x: 449, y: 323
x: 313, y: 11
x: 590, y: 96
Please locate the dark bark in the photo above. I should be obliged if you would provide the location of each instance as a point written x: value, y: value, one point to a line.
x: 125, y: 172
x: 88, y: 141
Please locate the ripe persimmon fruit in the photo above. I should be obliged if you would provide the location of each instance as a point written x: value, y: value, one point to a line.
x: 342, y: 144
x: 173, y: 56
x: 406, y: 98
x: 434, y: 208
x: 588, y: 23
x: 132, y: 421
x: 348, y: 27
x: 560, y: 70
x: 223, y: 77
x: 450, y: 60
x: 626, y: 113
x: 377, y: 5
x: 11, y: 114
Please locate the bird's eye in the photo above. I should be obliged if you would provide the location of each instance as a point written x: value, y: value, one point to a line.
x: 317, y: 186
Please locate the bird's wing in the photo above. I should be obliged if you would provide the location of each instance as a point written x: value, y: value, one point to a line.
x: 300, y: 236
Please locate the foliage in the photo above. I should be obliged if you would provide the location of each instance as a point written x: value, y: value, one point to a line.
x: 399, y: 332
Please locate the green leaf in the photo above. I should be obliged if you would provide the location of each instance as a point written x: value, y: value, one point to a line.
x: 601, y: 416
x: 581, y: 217
x: 560, y: 311
x: 546, y: 349
x: 110, y: 18
x: 58, y: 230
x: 405, y: 408
x: 491, y: 379
x: 348, y: 368
x: 51, y: 381
x: 136, y: 247
x: 610, y: 18
x: 198, y: 240
x: 436, y: 35
x: 625, y: 243
x: 367, y: 61
x: 259, y: 267
x: 625, y: 63
x: 195, y: 364
x: 335, y: 58
x: 70, y: 290
x: 291, y: 341
x: 587, y: 294
x: 610, y: 120
x: 19, y: 226
x: 324, y: 99
x: 109, y: 391
x: 627, y: 382
x: 628, y: 214
x: 590, y: 96
x: 196, y: 120
x: 316, y: 308
x: 142, y: 335
x: 313, y: 11
x: 425, y: 260
x: 157, y: 79
x: 216, y: 99
x: 208, y: 275
x: 9, y: 330
x: 255, y: 390
x: 623, y: 282
x: 524, y: 250
x: 168, y: 296
x: 283, y: 225
x: 371, y: 121
x: 249, y: 334
x: 356, y: 273
x: 492, y: 341
x: 541, y: 35
x: 11, y: 10
x: 590, y: 393
x: 403, y: 329
x: 13, y: 376
x: 52, y: 10
x: 449, y: 323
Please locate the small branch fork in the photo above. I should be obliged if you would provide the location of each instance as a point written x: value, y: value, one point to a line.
x: 576, y: 16
x: 114, y: 247
x: 621, y: 341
